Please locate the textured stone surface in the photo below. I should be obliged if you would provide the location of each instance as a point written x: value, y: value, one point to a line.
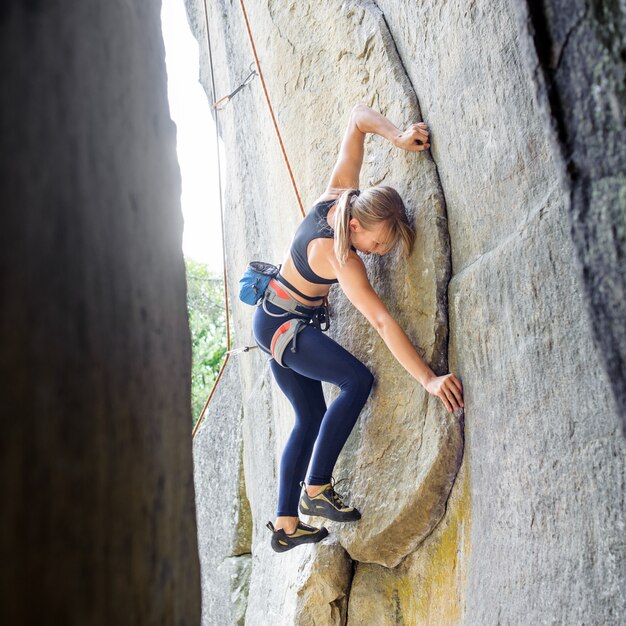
x: 428, y: 586
x: 577, y: 54
x: 322, y: 585
x: 97, y: 523
x: 369, y: 49
x: 307, y: 587
x: 402, y: 484
x: 223, y: 512
x: 543, y: 482
x: 546, y: 459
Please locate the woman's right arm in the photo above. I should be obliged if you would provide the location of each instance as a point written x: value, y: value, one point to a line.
x: 355, y: 284
x: 363, y: 120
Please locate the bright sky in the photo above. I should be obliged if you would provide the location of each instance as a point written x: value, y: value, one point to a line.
x: 190, y: 110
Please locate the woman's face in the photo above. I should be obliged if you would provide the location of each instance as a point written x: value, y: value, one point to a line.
x: 371, y: 241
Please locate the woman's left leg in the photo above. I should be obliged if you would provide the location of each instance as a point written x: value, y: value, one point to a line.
x: 320, y: 358
x: 307, y: 400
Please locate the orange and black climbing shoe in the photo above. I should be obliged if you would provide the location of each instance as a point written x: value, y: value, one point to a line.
x: 281, y: 541
x: 327, y: 503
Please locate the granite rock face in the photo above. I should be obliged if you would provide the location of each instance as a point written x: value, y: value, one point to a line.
x: 428, y: 586
x: 222, y: 505
x: 97, y: 522
x: 492, y: 291
x: 577, y: 52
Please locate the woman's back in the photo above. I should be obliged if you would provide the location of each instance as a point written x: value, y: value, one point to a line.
x: 306, y: 266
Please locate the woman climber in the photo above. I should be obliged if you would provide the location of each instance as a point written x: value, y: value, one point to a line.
x: 288, y: 326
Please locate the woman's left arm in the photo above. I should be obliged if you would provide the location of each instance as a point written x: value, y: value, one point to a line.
x: 355, y: 284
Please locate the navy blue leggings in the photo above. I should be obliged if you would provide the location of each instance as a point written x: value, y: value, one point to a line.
x: 319, y: 433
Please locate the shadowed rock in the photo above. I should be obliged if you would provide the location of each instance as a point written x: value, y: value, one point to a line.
x: 97, y: 523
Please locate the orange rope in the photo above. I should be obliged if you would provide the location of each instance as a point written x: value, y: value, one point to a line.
x: 269, y: 104
x: 293, y: 182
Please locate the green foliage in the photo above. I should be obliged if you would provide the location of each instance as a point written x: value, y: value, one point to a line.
x: 207, y: 322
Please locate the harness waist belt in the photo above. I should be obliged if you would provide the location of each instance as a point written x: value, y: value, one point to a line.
x: 278, y: 296
x: 280, y: 278
x: 317, y: 315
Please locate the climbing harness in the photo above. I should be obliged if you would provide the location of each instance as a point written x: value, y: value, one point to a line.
x: 317, y: 315
x: 287, y: 333
x: 259, y: 285
x: 226, y: 99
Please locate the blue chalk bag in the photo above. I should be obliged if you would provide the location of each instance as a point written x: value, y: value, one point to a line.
x: 254, y: 282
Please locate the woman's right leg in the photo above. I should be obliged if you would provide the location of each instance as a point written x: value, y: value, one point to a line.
x: 307, y: 400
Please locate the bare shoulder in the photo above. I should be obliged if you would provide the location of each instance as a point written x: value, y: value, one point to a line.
x: 329, y: 195
x: 352, y: 272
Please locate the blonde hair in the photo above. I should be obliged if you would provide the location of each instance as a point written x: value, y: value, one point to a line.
x: 371, y: 207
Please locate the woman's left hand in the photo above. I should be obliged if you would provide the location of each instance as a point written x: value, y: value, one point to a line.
x: 448, y: 389
x: 414, y: 138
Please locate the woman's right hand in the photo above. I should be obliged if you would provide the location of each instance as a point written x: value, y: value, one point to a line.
x: 448, y: 389
x: 414, y: 138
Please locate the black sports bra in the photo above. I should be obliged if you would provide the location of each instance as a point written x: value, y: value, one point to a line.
x: 314, y: 226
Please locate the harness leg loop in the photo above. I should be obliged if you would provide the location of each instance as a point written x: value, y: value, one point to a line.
x: 286, y: 334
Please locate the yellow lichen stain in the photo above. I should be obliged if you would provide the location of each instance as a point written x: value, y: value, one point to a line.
x: 430, y: 592
x: 441, y: 588
x: 407, y: 600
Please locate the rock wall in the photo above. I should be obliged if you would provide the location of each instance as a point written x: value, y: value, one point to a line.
x: 531, y: 530
x: 577, y: 51
x: 222, y: 504
x: 97, y: 522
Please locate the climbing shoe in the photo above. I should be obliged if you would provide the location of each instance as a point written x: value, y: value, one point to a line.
x: 281, y: 541
x: 327, y: 503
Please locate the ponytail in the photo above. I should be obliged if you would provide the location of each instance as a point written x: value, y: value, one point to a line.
x: 343, y: 215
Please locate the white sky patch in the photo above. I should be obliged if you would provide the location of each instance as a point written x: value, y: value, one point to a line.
x: 190, y: 110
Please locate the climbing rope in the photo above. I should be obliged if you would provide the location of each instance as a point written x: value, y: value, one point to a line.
x: 269, y: 104
x: 216, y: 104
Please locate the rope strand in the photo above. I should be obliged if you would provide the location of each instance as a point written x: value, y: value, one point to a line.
x: 269, y: 104
x: 230, y: 351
